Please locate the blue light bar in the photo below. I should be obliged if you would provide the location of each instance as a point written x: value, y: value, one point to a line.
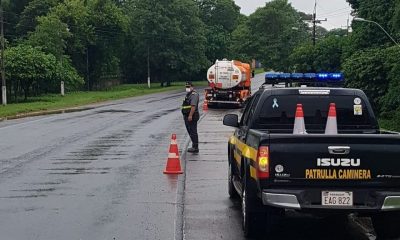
x: 309, y: 75
x: 336, y: 76
x: 297, y: 75
x: 284, y: 76
x: 322, y: 77
x: 304, y: 77
x: 271, y: 76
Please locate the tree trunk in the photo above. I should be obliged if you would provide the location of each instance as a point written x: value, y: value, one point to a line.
x: 26, y: 91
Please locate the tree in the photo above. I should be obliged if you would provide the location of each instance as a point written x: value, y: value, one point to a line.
x: 221, y: 18
x: 172, y: 34
x: 367, y: 70
x: 241, y: 43
x: 273, y: 35
x: 50, y: 35
x: 110, y: 26
x: 368, y: 35
x: 328, y: 54
x: 29, y: 16
x: 390, y: 103
x: 27, y: 65
x: 303, y: 58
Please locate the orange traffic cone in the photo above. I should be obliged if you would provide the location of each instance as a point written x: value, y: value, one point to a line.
x: 173, y: 162
x: 331, y: 124
x: 299, y: 125
x: 205, y: 105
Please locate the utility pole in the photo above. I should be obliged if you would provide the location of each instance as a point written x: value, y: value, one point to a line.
x: 316, y: 21
x: 3, y: 76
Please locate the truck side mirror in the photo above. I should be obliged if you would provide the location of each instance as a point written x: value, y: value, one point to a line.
x: 231, y: 120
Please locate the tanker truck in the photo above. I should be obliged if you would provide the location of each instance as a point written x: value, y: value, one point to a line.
x: 229, y: 83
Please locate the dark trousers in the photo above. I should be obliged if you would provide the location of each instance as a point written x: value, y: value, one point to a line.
x: 191, y: 127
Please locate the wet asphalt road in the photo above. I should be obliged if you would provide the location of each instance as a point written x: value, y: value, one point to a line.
x: 97, y: 175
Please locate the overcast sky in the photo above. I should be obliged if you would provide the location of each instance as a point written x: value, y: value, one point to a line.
x: 337, y: 11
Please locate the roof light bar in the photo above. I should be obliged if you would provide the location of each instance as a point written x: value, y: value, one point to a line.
x: 304, y: 77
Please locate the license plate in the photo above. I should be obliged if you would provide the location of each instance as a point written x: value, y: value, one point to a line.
x: 337, y: 198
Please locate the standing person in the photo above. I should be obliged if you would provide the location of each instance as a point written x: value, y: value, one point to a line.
x: 190, y: 111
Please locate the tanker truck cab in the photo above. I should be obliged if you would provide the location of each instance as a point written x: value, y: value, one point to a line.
x: 340, y: 162
x: 229, y: 83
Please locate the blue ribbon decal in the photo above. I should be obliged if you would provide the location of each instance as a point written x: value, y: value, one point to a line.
x: 275, y: 103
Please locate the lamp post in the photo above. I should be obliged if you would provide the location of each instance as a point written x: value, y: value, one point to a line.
x: 369, y: 21
x: 3, y: 77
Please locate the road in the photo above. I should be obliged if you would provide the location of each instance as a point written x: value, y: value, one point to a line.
x: 97, y: 174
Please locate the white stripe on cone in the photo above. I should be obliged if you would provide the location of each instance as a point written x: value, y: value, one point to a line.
x: 331, y: 124
x: 299, y: 125
x: 172, y: 155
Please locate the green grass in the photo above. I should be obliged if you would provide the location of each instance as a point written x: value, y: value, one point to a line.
x: 259, y: 70
x: 75, y: 99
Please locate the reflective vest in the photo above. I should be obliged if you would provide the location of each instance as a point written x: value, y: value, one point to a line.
x: 186, y: 106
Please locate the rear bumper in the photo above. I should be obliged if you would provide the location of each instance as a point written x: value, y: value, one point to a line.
x: 364, y: 200
x: 225, y: 102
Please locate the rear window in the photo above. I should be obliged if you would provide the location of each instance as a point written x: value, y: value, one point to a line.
x: 278, y: 113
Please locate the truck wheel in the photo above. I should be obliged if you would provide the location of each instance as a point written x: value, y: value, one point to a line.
x: 231, y: 188
x: 386, y: 225
x: 253, y: 215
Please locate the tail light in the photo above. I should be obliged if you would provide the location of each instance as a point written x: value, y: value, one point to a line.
x: 263, y: 162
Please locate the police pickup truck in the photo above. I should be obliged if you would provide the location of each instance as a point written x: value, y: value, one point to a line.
x: 272, y: 169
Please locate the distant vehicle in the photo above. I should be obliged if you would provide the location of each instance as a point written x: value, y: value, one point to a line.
x: 230, y: 83
x: 325, y: 169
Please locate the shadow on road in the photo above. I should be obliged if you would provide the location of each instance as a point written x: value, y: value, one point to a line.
x: 296, y: 226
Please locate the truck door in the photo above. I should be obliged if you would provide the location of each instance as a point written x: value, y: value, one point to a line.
x: 241, y: 133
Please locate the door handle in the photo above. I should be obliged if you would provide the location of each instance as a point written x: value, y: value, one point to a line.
x: 339, y: 150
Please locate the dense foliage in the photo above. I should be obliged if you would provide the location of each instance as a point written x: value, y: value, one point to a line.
x: 107, y: 42
x: 93, y: 44
x: 367, y: 56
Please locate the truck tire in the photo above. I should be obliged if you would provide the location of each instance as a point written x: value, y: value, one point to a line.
x: 231, y: 188
x: 386, y: 225
x: 253, y: 215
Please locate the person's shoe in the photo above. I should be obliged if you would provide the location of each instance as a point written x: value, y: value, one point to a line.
x: 193, y: 150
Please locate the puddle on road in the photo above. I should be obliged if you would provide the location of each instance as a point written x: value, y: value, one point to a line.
x: 26, y: 196
x: 165, y: 98
x: 35, y: 190
x: 116, y: 111
x: 77, y: 173
x: 158, y: 115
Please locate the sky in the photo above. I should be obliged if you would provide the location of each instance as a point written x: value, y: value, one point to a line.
x: 336, y: 11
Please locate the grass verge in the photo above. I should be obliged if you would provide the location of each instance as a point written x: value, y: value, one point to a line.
x: 259, y: 70
x: 75, y: 99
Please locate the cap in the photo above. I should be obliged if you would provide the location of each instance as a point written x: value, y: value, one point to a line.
x: 189, y: 84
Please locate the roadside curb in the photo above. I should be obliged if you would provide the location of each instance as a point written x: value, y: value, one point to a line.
x: 46, y: 112
x: 84, y: 107
x: 180, y: 192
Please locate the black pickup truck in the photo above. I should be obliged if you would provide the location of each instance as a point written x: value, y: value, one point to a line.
x: 272, y: 170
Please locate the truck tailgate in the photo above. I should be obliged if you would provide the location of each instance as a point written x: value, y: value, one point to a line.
x: 362, y: 160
